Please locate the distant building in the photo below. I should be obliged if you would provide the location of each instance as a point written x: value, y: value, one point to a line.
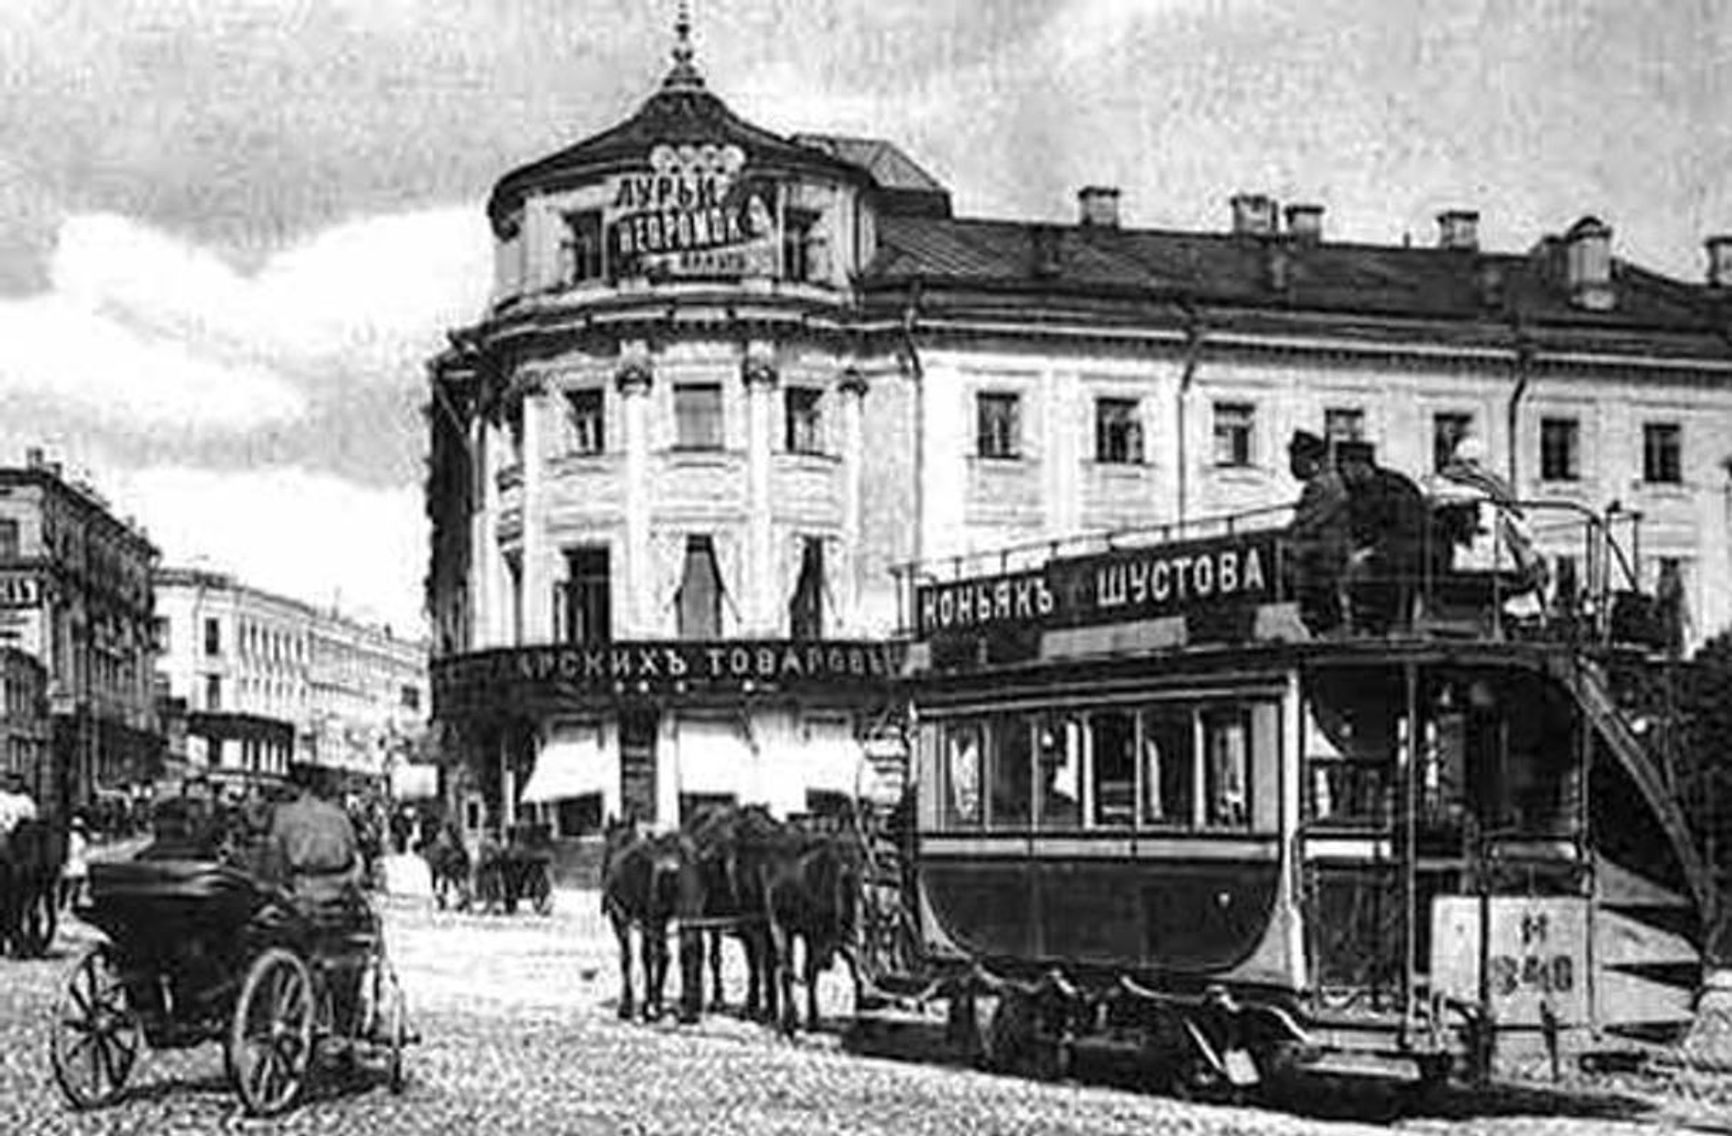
x: 26, y: 733
x: 271, y: 682
x: 75, y: 594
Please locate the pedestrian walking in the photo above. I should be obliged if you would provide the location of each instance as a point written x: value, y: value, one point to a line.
x: 75, y: 875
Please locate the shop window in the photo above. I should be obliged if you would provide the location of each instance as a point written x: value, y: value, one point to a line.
x: 583, y: 246
x: 1447, y: 432
x: 1662, y: 453
x: 1118, y: 431
x: 998, y: 424
x: 1169, y: 767
x: 803, y: 407
x: 1113, y: 751
x: 584, y: 410
x: 698, y: 416
x: 1235, y: 428
x: 583, y: 603
x: 806, y: 609
x: 699, y: 600
x: 962, y: 748
x: 1560, y: 449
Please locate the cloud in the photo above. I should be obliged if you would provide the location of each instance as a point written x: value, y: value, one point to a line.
x: 300, y: 533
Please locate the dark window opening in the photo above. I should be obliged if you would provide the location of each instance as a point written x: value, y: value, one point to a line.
x: 584, y: 408
x: 583, y: 246
x: 804, y: 433
x: 1343, y: 424
x: 1447, y: 431
x: 806, y: 609
x: 1235, y: 423
x: 1662, y: 453
x: 1560, y: 449
x: 8, y: 539
x: 1118, y: 431
x: 700, y: 595
x: 998, y: 425
x: 213, y: 644
x: 801, y: 259
x: 585, y: 599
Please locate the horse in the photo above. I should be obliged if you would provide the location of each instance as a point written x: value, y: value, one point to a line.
x: 31, y: 859
x: 725, y: 840
x: 811, y: 885
x: 647, y: 882
x: 447, y: 866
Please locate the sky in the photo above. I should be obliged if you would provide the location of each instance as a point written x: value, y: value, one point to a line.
x: 233, y: 231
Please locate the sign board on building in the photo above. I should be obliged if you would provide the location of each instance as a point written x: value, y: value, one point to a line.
x: 1122, y: 585
x: 20, y: 591
x: 694, y: 212
x: 493, y: 680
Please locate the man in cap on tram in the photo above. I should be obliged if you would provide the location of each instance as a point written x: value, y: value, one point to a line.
x: 1387, y: 516
x: 1320, y: 533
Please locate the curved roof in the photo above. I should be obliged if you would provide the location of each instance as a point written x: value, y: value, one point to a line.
x: 682, y: 110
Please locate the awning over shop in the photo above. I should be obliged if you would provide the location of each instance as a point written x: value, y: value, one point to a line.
x: 715, y: 757
x: 570, y: 764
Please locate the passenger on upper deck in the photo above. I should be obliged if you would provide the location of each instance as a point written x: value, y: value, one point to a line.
x: 1320, y: 533
x: 1387, y: 517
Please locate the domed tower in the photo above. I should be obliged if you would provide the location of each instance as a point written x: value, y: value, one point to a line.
x: 659, y: 577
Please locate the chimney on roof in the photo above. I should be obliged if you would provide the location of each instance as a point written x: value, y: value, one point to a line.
x: 1098, y: 206
x: 34, y: 457
x: 1588, y: 264
x: 1458, y: 229
x: 1304, y: 222
x: 1253, y: 214
x: 1719, y: 249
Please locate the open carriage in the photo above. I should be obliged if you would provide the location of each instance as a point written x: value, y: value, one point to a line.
x: 197, y: 951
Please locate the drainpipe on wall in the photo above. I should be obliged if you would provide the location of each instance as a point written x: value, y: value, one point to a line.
x: 910, y: 315
x: 1193, y: 351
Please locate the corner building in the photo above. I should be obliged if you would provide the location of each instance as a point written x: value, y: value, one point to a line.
x: 730, y: 383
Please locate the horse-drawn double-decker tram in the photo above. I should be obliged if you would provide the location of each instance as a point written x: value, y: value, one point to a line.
x: 1153, y: 808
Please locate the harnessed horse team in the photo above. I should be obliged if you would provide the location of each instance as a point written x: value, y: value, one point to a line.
x: 732, y: 870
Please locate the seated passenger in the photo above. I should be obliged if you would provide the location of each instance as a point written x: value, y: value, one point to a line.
x: 310, y: 849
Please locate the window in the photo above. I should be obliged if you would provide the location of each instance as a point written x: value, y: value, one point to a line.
x: 1343, y: 424
x: 1169, y: 766
x: 962, y: 748
x: 409, y: 697
x: 1234, y: 424
x: 514, y: 578
x: 998, y: 424
x: 699, y: 600
x: 159, y: 634
x: 213, y: 692
x: 806, y: 609
x: 514, y: 427
x: 583, y: 246
x: 1060, y: 766
x: 1227, y: 769
x: 1447, y: 431
x: 802, y: 258
x: 804, y: 422
x: 1010, y: 800
x: 1662, y: 453
x: 1113, y: 752
x: 8, y: 539
x: 1118, y: 431
x: 213, y: 644
x: 584, y: 412
x: 698, y: 416
x: 584, y: 602
x: 1560, y: 449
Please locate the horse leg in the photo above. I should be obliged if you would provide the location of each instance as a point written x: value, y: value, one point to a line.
x: 781, y: 985
x: 691, y: 975
x: 815, y: 960
x: 655, y: 967
x: 622, y: 932
x: 717, y: 1001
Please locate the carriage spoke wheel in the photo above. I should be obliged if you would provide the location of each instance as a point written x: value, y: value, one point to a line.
x: 271, y: 1038
x: 96, y: 1033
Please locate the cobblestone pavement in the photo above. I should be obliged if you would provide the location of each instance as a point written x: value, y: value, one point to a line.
x: 519, y: 1034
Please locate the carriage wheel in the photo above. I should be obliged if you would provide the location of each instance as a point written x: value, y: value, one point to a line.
x: 96, y: 1033
x: 271, y: 1037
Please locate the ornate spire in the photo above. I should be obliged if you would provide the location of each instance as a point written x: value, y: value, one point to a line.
x: 684, y: 73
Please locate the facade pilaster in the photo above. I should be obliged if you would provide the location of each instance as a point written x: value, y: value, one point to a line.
x: 633, y: 379
x: 761, y: 577
x: 847, y: 571
x: 483, y: 540
x: 537, y: 590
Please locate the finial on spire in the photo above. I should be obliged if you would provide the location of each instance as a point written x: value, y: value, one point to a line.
x: 684, y: 73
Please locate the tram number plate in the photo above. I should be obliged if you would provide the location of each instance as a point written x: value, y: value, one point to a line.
x: 1547, y: 974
